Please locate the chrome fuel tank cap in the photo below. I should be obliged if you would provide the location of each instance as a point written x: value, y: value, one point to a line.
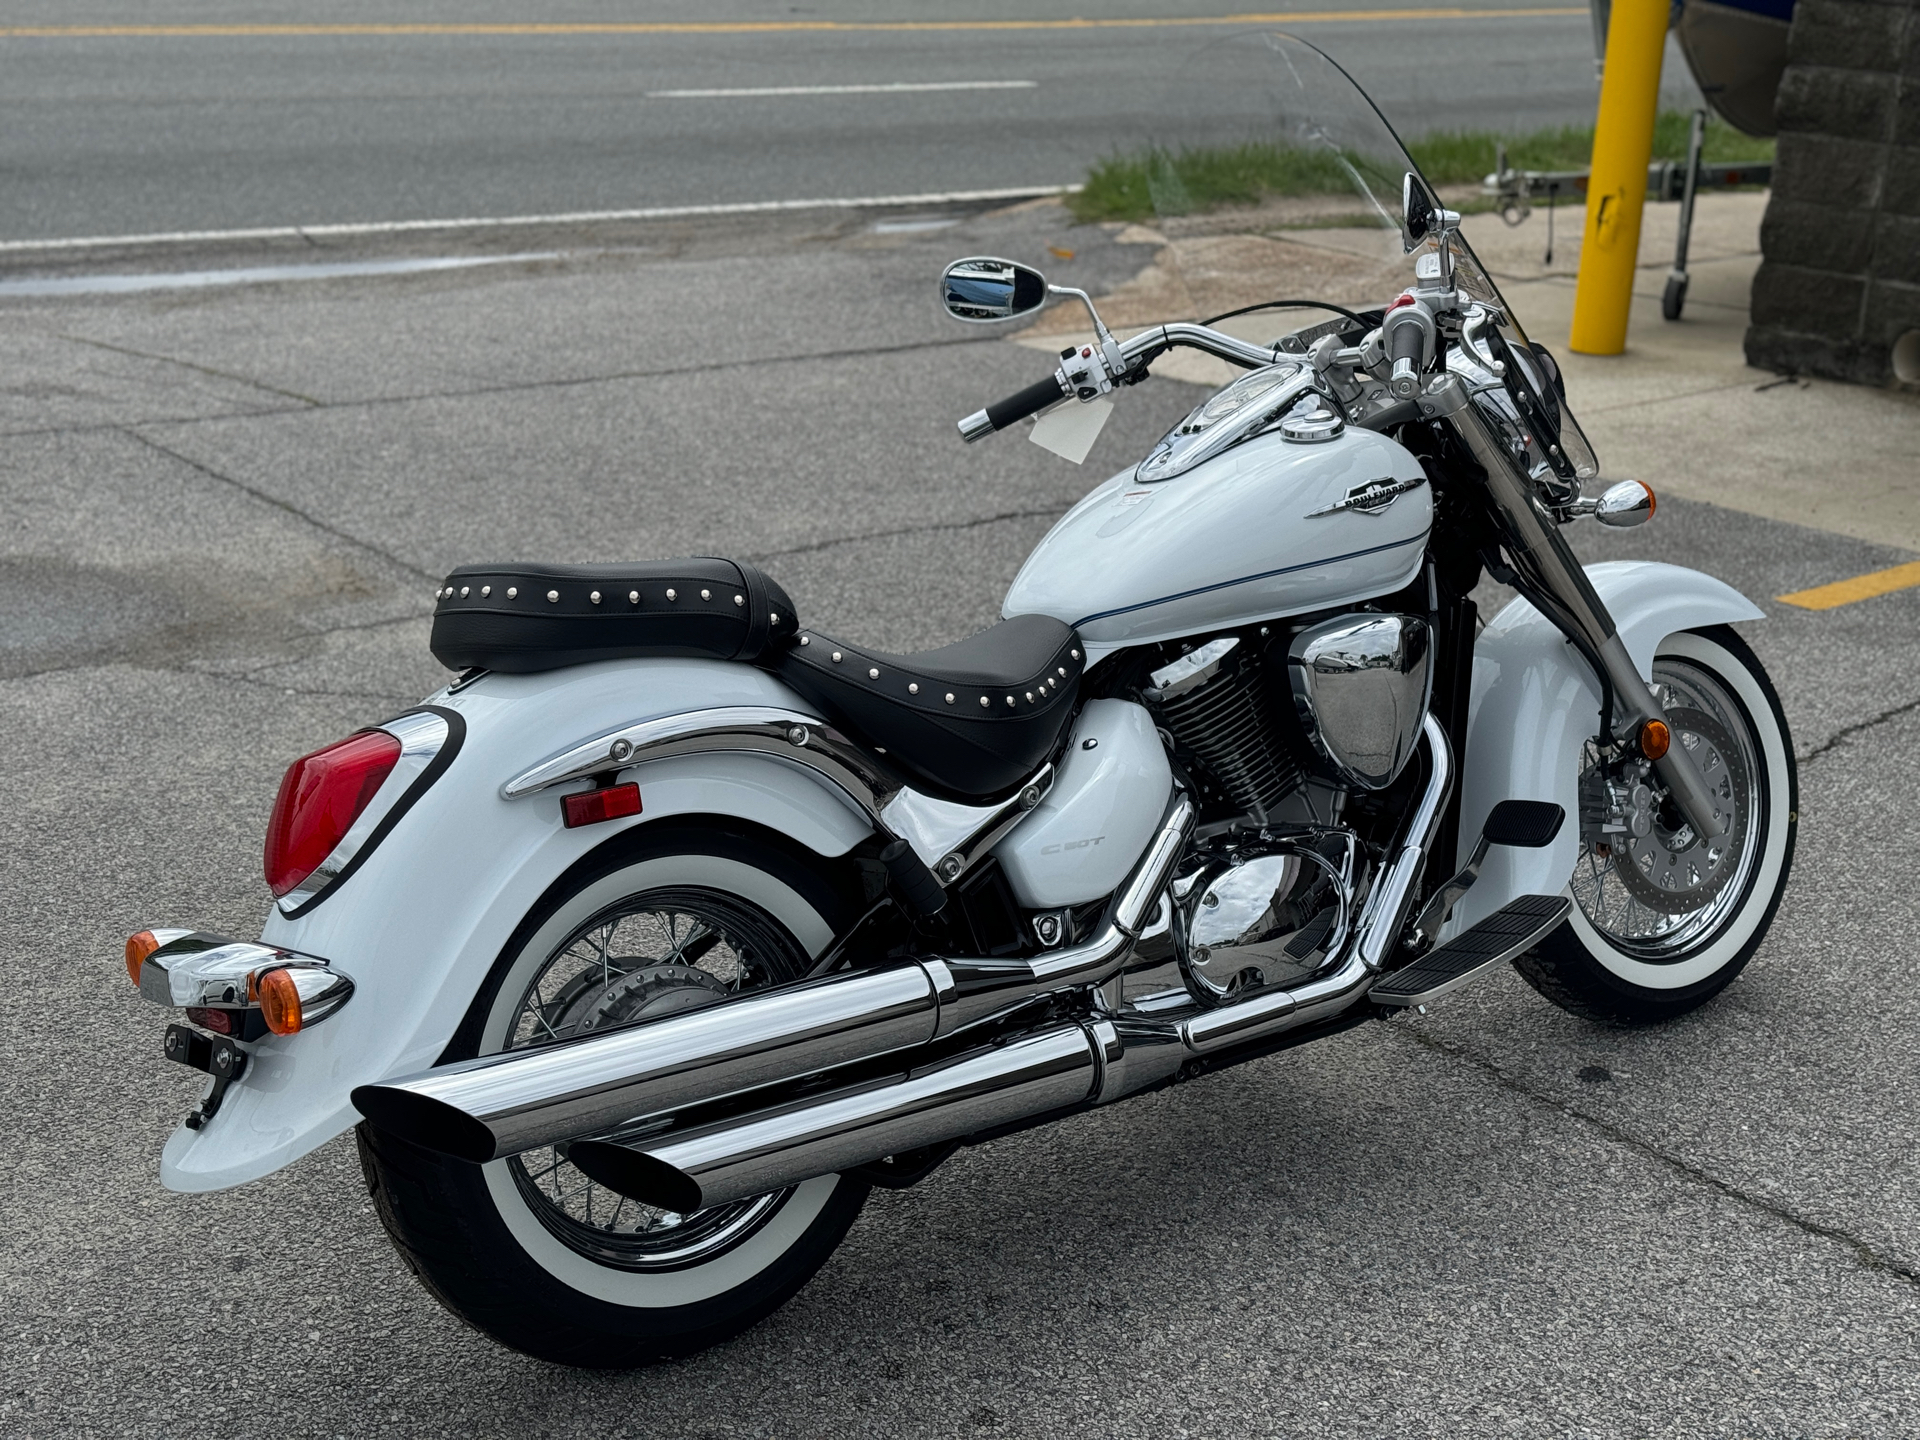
x: 1311, y: 421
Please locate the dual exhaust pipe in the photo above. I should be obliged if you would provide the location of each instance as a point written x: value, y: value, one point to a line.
x: 500, y: 1105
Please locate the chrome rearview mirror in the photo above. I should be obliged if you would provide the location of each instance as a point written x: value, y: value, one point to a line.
x: 1417, y: 207
x: 983, y: 288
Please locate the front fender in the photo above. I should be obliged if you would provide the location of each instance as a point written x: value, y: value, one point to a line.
x: 1535, y: 702
x: 420, y: 923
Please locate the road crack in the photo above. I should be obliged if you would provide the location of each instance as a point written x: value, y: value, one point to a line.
x: 1050, y: 513
x: 1863, y: 1251
x: 1846, y: 733
x: 294, y: 510
x: 250, y: 383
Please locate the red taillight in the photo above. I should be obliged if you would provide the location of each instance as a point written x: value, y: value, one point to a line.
x: 320, y: 797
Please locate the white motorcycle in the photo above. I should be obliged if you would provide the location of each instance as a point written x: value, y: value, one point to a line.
x: 644, y: 949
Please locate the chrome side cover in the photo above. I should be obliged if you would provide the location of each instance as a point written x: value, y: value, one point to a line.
x: 1361, y: 685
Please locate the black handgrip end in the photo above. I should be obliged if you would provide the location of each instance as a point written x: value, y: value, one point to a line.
x: 1406, y: 342
x: 1030, y: 401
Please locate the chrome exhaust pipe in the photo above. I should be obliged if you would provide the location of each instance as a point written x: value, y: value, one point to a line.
x: 1054, y: 1070
x: 503, y: 1104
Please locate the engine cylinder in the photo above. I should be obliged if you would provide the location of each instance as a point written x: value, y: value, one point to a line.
x: 1226, y: 722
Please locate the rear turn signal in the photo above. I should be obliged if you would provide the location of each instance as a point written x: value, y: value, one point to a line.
x: 320, y: 797
x: 1654, y: 739
x: 279, y: 1002
x: 616, y: 802
x: 138, y: 948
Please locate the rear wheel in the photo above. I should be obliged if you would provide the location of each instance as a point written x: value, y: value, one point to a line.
x: 1663, y: 919
x: 527, y: 1248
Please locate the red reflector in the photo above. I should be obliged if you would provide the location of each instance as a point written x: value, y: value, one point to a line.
x: 320, y: 797
x: 614, y: 803
x: 219, y: 1021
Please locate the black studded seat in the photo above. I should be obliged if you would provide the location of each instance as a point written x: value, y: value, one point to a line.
x: 966, y: 722
x: 518, y: 619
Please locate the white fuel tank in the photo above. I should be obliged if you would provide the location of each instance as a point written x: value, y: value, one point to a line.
x: 1247, y: 536
x: 1079, y: 843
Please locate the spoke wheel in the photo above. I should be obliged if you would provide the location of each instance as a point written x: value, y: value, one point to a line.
x: 645, y: 957
x: 1663, y: 919
x: 1645, y: 879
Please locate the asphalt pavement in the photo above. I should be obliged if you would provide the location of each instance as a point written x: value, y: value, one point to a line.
x: 203, y: 115
x: 227, y: 510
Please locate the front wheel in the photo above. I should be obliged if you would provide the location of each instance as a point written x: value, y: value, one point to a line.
x: 1664, y: 919
x: 528, y: 1248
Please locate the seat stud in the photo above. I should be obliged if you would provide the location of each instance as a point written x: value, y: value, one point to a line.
x: 1010, y: 701
x: 1074, y: 653
x: 706, y: 594
x: 485, y: 590
x: 773, y: 617
x: 806, y: 639
x: 984, y: 702
x: 872, y: 674
x: 594, y: 597
x: 633, y: 597
x: 739, y: 599
x: 913, y: 689
x: 513, y: 592
x: 949, y: 697
x: 463, y: 591
x: 1029, y: 697
x: 553, y: 597
x: 1063, y: 672
x: 836, y: 657
x: 673, y: 595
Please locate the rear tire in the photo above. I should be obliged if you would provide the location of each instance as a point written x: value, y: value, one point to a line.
x: 516, y: 1247
x: 1620, y: 958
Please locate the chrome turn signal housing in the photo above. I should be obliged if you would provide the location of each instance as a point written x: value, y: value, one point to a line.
x: 236, y: 987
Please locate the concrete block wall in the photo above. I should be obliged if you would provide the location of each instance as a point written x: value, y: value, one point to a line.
x: 1838, y: 289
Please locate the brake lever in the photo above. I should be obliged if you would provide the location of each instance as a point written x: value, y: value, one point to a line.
x: 1473, y: 339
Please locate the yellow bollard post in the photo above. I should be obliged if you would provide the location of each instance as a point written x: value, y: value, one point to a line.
x: 1617, y: 191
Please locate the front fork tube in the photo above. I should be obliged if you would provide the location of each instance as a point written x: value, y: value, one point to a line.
x: 1533, y: 538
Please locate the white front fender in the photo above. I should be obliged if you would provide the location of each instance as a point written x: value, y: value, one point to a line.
x: 420, y: 923
x: 1535, y: 703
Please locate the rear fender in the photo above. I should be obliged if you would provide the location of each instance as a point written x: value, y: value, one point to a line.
x: 1535, y: 703
x: 419, y: 925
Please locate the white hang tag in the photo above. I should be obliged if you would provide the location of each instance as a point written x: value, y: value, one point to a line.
x: 1069, y: 430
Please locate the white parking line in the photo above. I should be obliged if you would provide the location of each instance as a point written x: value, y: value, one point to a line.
x: 903, y: 87
x: 487, y: 222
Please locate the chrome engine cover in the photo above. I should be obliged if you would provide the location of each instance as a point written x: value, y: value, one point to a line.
x: 1361, y: 685
x: 1264, y: 911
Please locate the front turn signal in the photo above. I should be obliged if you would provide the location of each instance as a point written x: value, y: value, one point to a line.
x: 139, y: 947
x: 1655, y: 738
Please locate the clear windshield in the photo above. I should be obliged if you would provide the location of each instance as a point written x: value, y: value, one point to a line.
x: 1269, y: 174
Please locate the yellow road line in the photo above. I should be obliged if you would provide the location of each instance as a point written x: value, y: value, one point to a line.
x: 755, y: 27
x: 1861, y: 587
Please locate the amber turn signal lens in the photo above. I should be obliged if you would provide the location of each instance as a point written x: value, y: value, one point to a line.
x: 1654, y: 739
x: 138, y: 948
x: 279, y: 1002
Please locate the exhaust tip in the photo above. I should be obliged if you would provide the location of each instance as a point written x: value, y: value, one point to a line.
x: 426, y: 1122
x: 636, y: 1175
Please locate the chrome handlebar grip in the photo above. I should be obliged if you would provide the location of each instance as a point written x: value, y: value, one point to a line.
x: 976, y: 427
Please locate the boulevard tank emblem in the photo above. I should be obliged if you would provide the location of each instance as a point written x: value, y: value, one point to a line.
x: 1372, y: 497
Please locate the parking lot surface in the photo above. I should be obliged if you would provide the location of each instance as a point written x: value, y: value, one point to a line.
x: 226, y: 513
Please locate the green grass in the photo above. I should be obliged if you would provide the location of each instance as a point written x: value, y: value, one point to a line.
x: 1154, y: 181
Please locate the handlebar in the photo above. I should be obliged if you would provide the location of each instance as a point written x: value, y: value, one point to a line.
x: 1017, y: 406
